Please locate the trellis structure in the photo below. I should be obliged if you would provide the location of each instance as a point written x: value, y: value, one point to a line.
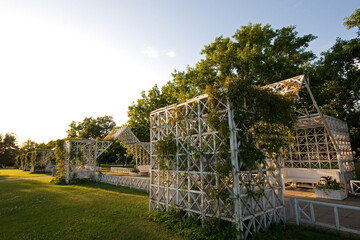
x: 44, y: 160
x: 81, y: 155
x: 189, y: 178
x: 140, y: 150
x: 321, y: 145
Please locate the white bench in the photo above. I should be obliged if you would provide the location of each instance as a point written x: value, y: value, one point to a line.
x: 144, y: 169
x: 307, y: 175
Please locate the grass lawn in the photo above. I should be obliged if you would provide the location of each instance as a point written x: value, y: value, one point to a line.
x: 36, y: 209
x: 9, y: 173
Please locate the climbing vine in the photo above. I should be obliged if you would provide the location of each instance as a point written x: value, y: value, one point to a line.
x: 264, y: 122
x: 165, y: 150
x: 60, y: 156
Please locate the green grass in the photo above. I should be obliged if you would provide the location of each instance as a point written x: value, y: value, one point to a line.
x: 10, y: 173
x: 36, y: 209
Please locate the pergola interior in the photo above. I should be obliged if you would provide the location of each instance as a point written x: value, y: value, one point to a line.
x: 252, y: 199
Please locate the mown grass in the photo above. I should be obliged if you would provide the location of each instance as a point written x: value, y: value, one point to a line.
x: 11, y: 173
x: 37, y: 209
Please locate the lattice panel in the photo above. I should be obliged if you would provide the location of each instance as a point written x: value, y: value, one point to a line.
x: 316, y: 147
x: 82, y: 155
x: 42, y: 159
x: 190, y: 178
x: 140, y: 150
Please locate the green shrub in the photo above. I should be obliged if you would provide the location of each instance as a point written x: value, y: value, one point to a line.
x: 193, y: 227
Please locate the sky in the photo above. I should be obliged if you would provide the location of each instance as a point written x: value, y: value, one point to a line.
x: 64, y: 60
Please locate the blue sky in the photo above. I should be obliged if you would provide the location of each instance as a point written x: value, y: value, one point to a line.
x: 65, y: 60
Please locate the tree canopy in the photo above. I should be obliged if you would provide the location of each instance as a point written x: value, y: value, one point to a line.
x: 257, y: 53
x: 91, y: 128
x: 8, y: 149
x: 353, y: 20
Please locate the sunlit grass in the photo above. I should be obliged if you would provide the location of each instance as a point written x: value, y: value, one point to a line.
x: 36, y: 209
x: 11, y: 173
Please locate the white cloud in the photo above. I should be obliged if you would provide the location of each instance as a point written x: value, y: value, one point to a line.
x: 171, y: 54
x: 150, y: 52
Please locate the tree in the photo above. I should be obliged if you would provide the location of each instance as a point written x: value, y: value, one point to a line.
x: 28, y: 146
x: 139, y: 112
x: 336, y: 82
x: 256, y: 53
x: 8, y: 149
x: 91, y: 128
x: 116, y: 153
x: 353, y: 21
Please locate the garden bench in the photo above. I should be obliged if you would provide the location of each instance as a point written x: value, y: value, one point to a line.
x: 307, y: 175
x: 144, y: 169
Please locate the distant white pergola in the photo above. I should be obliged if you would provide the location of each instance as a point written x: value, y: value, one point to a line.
x: 44, y: 160
x: 189, y: 178
x: 81, y: 155
x: 322, y: 143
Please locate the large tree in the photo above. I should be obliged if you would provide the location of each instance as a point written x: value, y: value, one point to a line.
x: 91, y: 128
x: 353, y: 21
x: 28, y: 146
x: 139, y: 112
x: 257, y: 53
x: 8, y: 149
x: 336, y: 81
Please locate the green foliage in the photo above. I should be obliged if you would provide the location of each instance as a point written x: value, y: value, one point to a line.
x: 264, y: 123
x: 353, y: 21
x: 255, y: 52
x: 274, y: 232
x: 335, y: 82
x: 165, y: 150
x: 28, y: 146
x: 193, y: 227
x: 329, y: 183
x: 116, y: 153
x: 28, y: 159
x: 91, y: 128
x: 139, y: 112
x: 60, y: 156
x: 8, y: 149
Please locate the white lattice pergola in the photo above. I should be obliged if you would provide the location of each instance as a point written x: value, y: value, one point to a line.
x: 82, y: 154
x: 190, y: 177
x: 140, y: 150
x: 43, y: 160
x: 81, y: 157
x: 322, y: 143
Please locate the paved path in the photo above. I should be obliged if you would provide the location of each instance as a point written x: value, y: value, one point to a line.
x: 348, y: 218
x: 13, y: 179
